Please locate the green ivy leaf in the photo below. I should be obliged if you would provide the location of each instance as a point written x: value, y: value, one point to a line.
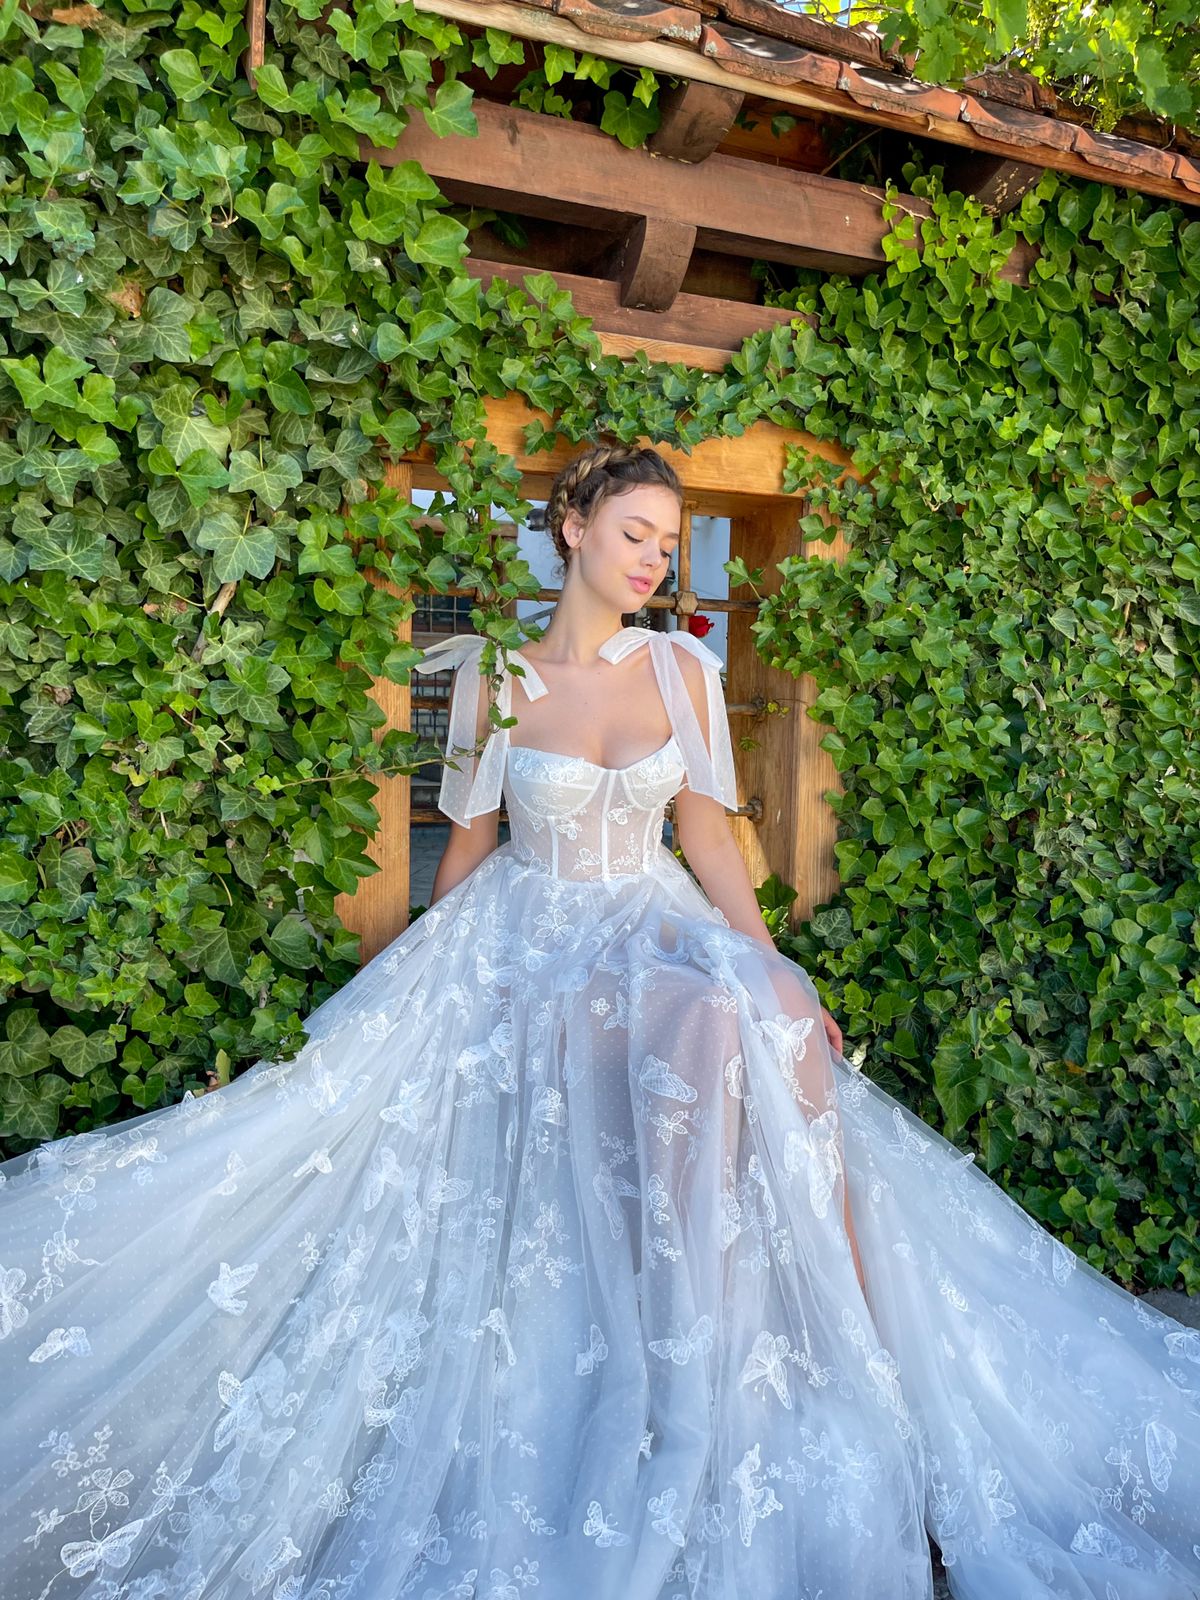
x: 440, y: 243
x: 239, y: 549
x: 292, y: 941
x: 451, y: 110
x: 270, y: 480
x: 186, y: 426
x: 29, y: 1109
x: 959, y: 1082
x: 25, y: 1048
x: 628, y: 120
x: 81, y: 1053
x: 183, y: 74
x: 18, y: 877
x: 250, y: 691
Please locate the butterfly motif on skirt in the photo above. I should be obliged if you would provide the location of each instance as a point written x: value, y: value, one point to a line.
x: 397, y: 1417
x: 114, y: 1550
x: 224, y: 1290
x: 734, y: 1068
x: 765, y: 1365
x: 234, y: 1167
x: 317, y: 1162
x: 758, y: 1500
x: 587, y: 1360
x: 403, y: 1110
x: 908, y: 1141
x: 657, y: 1077
x: 608, y: 1185
x: 817, y: 1151
x: 681, y: 1350
x: 62, y: 1341
x: 663, y: 1517
x: 597, y: 1526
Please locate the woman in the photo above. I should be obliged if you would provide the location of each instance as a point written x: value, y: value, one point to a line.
x: 569, y: 1255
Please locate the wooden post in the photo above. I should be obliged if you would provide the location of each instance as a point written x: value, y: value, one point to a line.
x: 788, y: 771
x: 378, y: 910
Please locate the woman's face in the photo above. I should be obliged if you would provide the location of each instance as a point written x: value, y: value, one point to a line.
x: 624, y: 551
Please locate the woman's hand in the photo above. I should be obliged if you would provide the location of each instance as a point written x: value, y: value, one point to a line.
x: 832, y: 1032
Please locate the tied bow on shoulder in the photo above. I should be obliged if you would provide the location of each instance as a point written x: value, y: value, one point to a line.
x: 474, y: 787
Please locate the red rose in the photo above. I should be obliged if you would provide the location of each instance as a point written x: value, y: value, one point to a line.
x: 699, y: 624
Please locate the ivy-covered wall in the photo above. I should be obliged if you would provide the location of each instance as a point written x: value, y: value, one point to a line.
x: 1009, y: 661
x: 216, y: 325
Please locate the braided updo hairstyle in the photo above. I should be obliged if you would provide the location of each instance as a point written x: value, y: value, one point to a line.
x: 594, y: 476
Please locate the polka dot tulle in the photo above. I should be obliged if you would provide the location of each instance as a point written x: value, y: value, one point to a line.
x: 530, y: 1279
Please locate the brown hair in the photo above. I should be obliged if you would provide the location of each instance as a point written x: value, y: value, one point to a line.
x: 594, y: 476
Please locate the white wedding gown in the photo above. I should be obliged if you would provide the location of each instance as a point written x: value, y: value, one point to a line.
x: 528, y: 1279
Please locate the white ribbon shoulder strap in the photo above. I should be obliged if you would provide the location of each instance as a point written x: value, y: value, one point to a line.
x: 475, y: 785
x: 709, y: 765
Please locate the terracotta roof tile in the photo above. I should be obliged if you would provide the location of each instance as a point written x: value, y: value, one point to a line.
x: 900, y: 97
x: 1122, y: 155
x: 772, y: 60
x: 1187, y: 172
x: 1009, y: 125
x: 632, y: 19
x: 826, y: 38
x: 1013, y: 89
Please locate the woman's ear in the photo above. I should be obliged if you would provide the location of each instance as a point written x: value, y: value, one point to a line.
x: 572, y: 528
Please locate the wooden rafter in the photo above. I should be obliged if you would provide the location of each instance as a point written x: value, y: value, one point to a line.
x: 997, y: 183
x: 695, y: 117
x: 650, y: 262
x: 846, y: 91
x: 698, y: 330
x: 540, y: 166
x: 727, y: 476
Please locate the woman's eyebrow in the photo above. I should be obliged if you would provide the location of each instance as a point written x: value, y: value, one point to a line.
x: 645, y: 521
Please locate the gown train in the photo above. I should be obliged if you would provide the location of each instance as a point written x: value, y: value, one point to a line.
x: 530, y: 1276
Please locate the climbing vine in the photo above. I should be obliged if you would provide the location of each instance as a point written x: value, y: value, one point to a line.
x: 217, y: 326
x: 1009, y: 664
x: 1123, y: 58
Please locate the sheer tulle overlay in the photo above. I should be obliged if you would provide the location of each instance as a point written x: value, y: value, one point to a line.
x: 531, y: 1274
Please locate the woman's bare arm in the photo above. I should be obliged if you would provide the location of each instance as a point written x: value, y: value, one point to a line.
x: 714, y: 857
x: 711, y: 852
x: 717, y: 862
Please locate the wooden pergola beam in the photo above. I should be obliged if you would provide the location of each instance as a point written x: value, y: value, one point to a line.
x: 997, y: 183
x: 699, y: 319
x: 695, y: 117
x: 573, y: 173
x: 698, y: 330
x: 651, y: 261
x: 678, y: 61
x: 724, y: 477
x: 540, y: 166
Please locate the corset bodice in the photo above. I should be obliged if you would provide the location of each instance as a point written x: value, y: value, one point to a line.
x: 579, y: 820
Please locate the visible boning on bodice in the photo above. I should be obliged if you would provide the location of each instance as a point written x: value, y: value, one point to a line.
x: 575, y: 819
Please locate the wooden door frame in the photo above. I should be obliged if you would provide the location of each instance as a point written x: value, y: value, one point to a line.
x: 784, y: 824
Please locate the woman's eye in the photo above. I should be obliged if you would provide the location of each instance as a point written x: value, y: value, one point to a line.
x: 663, y: 555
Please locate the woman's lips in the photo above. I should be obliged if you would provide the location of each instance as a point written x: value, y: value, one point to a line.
x: 642, y: 585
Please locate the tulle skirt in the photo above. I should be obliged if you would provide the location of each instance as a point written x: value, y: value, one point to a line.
x: 532, y: 1273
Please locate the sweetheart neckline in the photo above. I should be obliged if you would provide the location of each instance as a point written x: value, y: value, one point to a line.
x: 596, y: 766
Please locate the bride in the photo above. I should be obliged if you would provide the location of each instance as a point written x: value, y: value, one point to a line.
x: 569, y: 1257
